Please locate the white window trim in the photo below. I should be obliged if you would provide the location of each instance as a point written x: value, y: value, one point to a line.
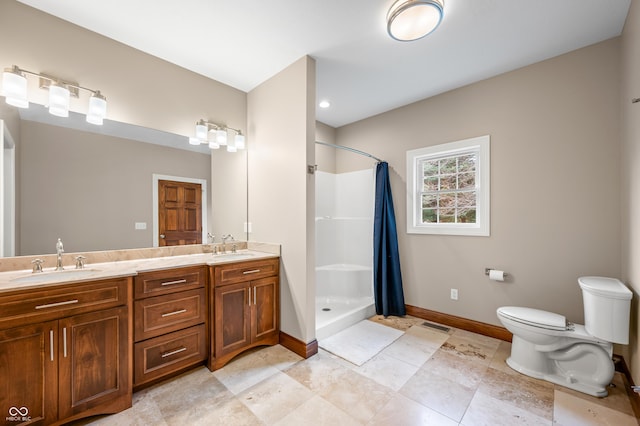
x: 483, y: 185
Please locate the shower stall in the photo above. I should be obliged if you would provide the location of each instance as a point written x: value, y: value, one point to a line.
x: 344, y: 249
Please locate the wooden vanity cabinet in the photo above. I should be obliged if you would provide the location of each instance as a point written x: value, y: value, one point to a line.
x: 65, y: 352
x: 245, y: 308
x: 170, y: 322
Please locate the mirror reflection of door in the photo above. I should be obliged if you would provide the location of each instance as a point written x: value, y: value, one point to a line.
x: 179, y: 213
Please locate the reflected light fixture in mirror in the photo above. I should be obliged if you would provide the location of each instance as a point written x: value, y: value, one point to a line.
x: 217, y: 135
x: 409, y: 20
x: 14, y: 88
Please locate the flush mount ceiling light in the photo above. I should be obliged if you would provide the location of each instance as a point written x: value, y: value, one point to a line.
x: 14, y: 88
x: 410, y: 20
x: 216, y: 135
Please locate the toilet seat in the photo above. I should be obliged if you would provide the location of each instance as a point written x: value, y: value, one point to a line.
x: 535, y: 317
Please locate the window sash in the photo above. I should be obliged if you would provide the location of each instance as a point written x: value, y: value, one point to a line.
x: 432, y: 179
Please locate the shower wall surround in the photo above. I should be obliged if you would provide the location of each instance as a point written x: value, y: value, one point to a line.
x: 344, y: 249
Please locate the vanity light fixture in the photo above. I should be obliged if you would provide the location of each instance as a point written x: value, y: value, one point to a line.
x: 14, y: 87
x: 217, y: 135
x: 409, y: 20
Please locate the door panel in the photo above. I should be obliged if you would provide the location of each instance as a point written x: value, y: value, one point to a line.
x: 29, y: 372
x: 180, y: 213
x: 232, y: 320
x: 91, y: 371
x: 265, y: 307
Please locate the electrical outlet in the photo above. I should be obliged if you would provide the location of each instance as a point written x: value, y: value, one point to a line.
x: 454, y: 294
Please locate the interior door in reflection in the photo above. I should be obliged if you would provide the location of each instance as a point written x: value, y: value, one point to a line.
x: 180, y: 213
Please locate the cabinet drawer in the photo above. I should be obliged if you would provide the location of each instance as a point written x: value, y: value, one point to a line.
x: 62, y: 300
x: 162, y: 314
x: 238, y: 272
x: 164, y: 282
x: 162, y: 355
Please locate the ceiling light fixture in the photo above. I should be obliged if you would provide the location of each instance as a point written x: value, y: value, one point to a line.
x: 324, y: 104
x: 410, y: 20
x: 216, y: 135
x: 14, y: 88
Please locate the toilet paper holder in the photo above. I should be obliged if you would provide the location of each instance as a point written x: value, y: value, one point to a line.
x: 487, y: 270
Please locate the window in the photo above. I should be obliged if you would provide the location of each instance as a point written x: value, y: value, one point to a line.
x: 448, y: 188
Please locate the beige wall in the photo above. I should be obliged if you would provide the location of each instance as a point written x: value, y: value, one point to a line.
x: 555, y: 197
x: 281, y: 118
x: 631, y: 176
x: 90, y: 189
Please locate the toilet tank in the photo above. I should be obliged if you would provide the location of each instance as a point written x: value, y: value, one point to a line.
x: 607, y: 302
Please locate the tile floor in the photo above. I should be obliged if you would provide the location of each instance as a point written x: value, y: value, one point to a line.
x: 425, y: 377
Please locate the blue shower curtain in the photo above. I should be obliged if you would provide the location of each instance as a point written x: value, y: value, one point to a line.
x: 387, y: 279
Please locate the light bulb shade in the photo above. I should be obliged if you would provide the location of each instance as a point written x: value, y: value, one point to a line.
x: 201, y: 131
x: 231, y: 145
x: 97, y: 109
x: 14, y: 87
x: 58, y: 100
x: 239, y: 139
x: 212, y: 139
x: 194, y: 141
x: 221, y: 136
x: 410, y: 20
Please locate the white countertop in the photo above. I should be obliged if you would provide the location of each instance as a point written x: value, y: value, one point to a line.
x: 26, y: 279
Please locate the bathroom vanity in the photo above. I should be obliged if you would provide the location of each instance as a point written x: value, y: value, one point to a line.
x: 79, y: 347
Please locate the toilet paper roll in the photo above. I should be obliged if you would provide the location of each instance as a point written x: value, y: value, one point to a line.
x: 496, y: 275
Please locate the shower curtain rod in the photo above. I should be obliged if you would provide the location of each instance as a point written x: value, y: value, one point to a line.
x: 346, y: 148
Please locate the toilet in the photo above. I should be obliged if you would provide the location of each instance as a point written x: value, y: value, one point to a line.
x: 546, y: 346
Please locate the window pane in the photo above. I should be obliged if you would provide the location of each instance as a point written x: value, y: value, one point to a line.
x: 467, y: 215
x: 448, y: 165
x: 448, y: 182
x: 447, y: 218
x: 467, y: 163
x: 447, y: 199
x: 430, y: 167
x: 466, y: 180
x: 430, y: 184
x: 466, y: 199
x: 429, y: 216
x: 447, y: 212
x: 429, y: 201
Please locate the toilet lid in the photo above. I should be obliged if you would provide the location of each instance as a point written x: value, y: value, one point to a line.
x: 535, y: 317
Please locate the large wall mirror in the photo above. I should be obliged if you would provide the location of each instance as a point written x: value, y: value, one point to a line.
x: 93, y: 186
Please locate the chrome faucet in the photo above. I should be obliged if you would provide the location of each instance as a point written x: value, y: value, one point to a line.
x: 212, y: 240
x: 59, y: 250
x: 224, y: 241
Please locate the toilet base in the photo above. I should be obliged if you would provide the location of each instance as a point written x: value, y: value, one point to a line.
x: 584, y: 367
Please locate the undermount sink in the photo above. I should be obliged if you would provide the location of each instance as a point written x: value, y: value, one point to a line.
x: 55, y: 276
x: 235, y: 256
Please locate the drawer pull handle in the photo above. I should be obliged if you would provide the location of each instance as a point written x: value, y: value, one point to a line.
x: 181, y: 311
x: 182, y: 281
x: 253, y: 271
x: 53, y: 305
x: 177, y: 351
x: 64, y: 340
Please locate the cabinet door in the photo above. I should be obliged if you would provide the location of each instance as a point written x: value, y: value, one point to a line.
x: 29, y: 374
x: 264, y: 308
x: 93, y: 360
x: 232, y: 318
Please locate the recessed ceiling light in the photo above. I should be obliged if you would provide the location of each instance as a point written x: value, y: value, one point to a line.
x: 324, y: 104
